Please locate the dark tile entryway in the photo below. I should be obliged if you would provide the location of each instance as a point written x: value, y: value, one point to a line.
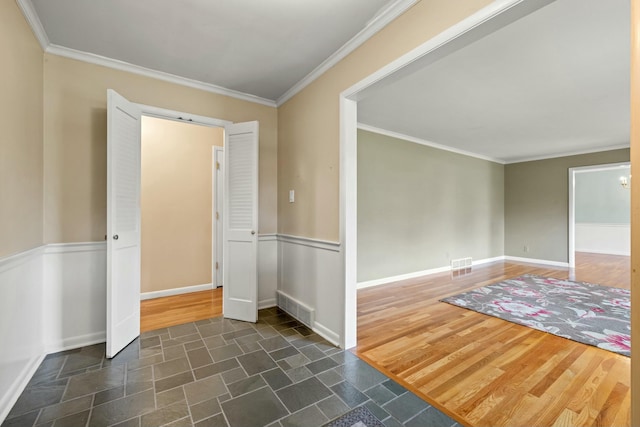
x: 216, y: 372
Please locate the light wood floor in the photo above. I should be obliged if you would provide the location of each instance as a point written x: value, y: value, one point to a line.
x: 175, y: 310
x: 484, y: 371
x: 481, y: 370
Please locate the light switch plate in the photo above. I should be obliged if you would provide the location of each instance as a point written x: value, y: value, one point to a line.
x: 292, y: 196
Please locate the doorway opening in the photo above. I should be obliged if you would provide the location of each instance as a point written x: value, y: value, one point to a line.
x: 178, y: 195
x: 179, y: 139
x: 599, y: 210
x: 181, y: 246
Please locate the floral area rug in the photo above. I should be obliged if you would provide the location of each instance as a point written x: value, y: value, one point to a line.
x: 584, y: 312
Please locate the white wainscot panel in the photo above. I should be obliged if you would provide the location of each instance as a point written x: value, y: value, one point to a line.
x: 613, y: 239
x: 21, y: 324
x: 267, y: 270
x: 75, y: 295
x: 311, y: 273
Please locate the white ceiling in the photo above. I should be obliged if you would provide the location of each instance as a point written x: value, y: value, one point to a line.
x: 257, y: 47
x: 554, y: 82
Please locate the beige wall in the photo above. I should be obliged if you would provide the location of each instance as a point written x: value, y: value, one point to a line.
x: 20, y: 133
x: 537, y: 204
x: 75, y: 141
x: 176, y: 203
x: 308, y: 124
x: 420, y: 207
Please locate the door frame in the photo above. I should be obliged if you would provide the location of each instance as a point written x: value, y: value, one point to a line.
x: 217, y: 188
x: 572, y: 201
x: 178, y: 116
x: 487, y: 20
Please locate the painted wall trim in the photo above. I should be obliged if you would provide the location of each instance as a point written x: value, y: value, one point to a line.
x: 600, y: 238
x: 377, y: 23
x: 11, y: 395
x: 308, y: 241
x: 14, y: 260
x: 421, y: 141
x: 427, y: 143
x: 391, y: 279
x: 267, y: 303
x: 76, y: 342
x: 175, y: 291
x: 567, y: 154
x: 268, y: 237
x: 326, y: 333
x: 164, y: 113
x: 34, y: 22
x: 160, y: 75
x: 58, y: 248
x: 536, y: 261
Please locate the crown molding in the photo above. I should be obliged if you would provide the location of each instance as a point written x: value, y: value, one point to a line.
x: 421, y: 141
x: 567, y: 154
x: 148, y: 72
x: 38, y: 30
x: 377, y: 23
x: 34, y: 22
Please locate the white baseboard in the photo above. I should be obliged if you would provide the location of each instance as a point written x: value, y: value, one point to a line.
x: 386, y: 280
x: 415, y: 274
x: 326, y: 333
x: 76, y: 342
x: 14, y: 390
x: 176, y: 291
x: 536, y: 261
x: 267, y: 303
x: 605, y: 252
x: 488, y: 260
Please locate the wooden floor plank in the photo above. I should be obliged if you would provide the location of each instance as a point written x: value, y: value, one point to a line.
x: 175, y: 310
x: 485, y: 371
x: 480, y: 370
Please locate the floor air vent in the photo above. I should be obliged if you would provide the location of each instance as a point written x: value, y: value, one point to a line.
x: 461, y: 263
x: 295, y: 308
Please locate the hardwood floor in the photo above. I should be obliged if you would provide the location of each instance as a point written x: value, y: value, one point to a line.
x: 485, y: 371
x: 175, y: 310
x: 480, y: 370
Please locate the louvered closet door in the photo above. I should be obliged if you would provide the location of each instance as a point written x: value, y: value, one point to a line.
x: 240, y: 220
x: 123, y: 222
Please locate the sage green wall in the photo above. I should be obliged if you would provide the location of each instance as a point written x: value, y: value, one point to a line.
x: 536, y: 204
x: 419, y: 207
x: 600, y: 199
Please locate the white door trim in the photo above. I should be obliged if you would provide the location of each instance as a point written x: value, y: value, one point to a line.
x: 487, y: 20
x: 178, y: 116
x: 217, y: 187
x: 572, y: 201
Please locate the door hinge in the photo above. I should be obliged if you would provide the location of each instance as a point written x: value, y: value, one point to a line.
x: 218, y: 165
x: 217, y: 215
x: 216, y: 265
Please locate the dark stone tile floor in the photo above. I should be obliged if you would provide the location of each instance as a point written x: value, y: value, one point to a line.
x: 216, y: 372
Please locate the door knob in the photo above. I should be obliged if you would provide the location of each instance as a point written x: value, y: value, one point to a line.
x: 115, y: 237
x: 253, y: 232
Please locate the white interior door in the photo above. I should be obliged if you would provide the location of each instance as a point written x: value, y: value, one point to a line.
x: 240, y: 220
x: 218, y: 186
x: 123, y: 222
